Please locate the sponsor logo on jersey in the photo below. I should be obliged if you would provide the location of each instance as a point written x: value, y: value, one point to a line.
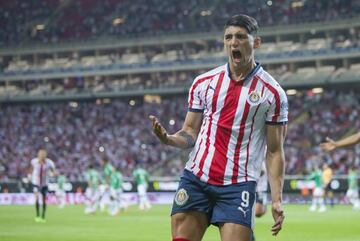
x: 181, y: 197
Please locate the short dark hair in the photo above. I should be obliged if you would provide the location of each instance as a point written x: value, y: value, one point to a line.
x: 245, y: 21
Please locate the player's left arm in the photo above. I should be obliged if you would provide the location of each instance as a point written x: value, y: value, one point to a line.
x: 275, y: 166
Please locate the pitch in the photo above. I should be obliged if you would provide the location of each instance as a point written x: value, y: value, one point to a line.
x: 16, y: 223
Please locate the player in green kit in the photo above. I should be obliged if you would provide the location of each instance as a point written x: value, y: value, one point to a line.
x: 318, y: 191
x: 92, y: 194
x: 116, y: 190
x: 141, y: 179
x: 108, y: 169
x: 353, y: 189
x: 60, y: 191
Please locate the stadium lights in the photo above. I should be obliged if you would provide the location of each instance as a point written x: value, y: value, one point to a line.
x: 205, y: 13
x: 297, y: 4
x: 291, y: 92
x: 101, y: 149
x: 317, y: 90
x: 46, y: 139
x: 40, y: 27
x: 269, y: 3
x: 118, y: 21
x: 132, y: 102
x: 106, y: 101
x: 73, y: 104
x: 172, y: 122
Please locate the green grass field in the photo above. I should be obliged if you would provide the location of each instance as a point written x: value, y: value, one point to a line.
x: 16, y: 223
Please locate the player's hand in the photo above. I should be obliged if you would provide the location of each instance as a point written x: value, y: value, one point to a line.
x: 329, y: 145
x: 278, y: 215
x: 159, y: 130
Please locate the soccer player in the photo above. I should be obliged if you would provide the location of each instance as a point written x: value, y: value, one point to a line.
x: 116, y: 190
x: 327, y: 175
x: 331, y: 145
x: 60, y: 191
x: 234, y: 112
x: 353, y: 189
x: 42, y: 168
x: 141, y: 179
x: 92, y: 194
x: 105, y: 187
x: 318, y: 191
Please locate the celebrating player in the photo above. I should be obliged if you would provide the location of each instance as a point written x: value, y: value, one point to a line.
x: 42, y: 168
x: 234, y: 112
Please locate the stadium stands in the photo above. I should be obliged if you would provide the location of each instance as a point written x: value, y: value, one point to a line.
x: 55, y: 20
x: 73, y: 132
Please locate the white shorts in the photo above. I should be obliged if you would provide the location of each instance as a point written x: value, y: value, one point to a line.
x: 60, y: 193
x: 318, y: 192
x: 141, y: 188
x: 352, y: 193
x: 115, y: 193
x: 91, y: 193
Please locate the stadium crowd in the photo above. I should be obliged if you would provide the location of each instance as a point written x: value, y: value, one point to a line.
x: 56, y: 20
x: 79, y: 133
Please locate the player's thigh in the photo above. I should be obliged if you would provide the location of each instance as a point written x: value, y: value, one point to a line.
x: 36, y: 191
x: 189, y: 225
x: 234, y: 204
x: 234, y: 232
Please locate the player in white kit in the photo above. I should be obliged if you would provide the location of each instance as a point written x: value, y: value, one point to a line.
x: 42, y: 168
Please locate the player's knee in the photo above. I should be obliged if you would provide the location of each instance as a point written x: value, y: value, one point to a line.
x: 178, y: 219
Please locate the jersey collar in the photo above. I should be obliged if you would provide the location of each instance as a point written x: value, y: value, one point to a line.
x: 249, y: 76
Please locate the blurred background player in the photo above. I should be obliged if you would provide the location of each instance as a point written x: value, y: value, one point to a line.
x: 42, y: 168
x: 92, y: 193
x: 116, y: 190
x: 327, y: 176
x: 141, y: 179
x: 330, y: 145
x: 318, y: 191
x: 60, y: 191
x: 106, y: 181
x: 353, y: 189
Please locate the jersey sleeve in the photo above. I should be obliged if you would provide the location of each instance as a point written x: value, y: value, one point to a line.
x: 195, y: 99
x: 278, y: 111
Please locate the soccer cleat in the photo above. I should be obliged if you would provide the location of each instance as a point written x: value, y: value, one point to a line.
x: 42, y: 220
x: 37, y: 219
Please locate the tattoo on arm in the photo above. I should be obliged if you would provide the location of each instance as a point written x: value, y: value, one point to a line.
x: 189, y: 139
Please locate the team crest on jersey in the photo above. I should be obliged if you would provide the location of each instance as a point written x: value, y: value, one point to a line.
x: 181, y: 197
x: 254, y: 98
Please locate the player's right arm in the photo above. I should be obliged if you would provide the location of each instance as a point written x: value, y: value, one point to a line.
x: 331, y: 145
x: 184, y: 138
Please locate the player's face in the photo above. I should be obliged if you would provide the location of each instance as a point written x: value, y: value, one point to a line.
x: 240, y: 45
x: 42, y: 154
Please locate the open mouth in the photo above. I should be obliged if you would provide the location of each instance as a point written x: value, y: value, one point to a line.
x: 236, y: 54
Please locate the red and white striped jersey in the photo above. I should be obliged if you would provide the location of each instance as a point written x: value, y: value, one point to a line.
x: 231, y: 144
x: 41, y: 171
